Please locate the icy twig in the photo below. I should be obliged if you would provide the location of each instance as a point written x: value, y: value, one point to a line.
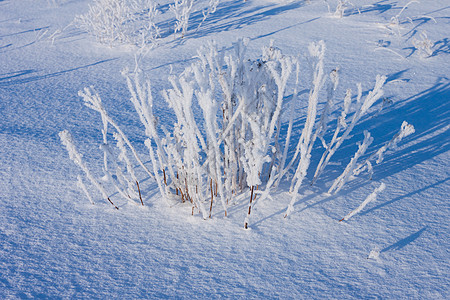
x: 370, y: 198
x: 130, y: 170
x: 182, y: 10
x: 361, y: 110
x: 343, y: 178
x: 405, y: 130
x: 93, y: 101
x: 318, y: 51
x: 77, y: 158
x: 82, y: 186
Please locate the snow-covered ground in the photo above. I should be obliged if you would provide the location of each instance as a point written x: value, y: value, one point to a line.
x: 55, y: 244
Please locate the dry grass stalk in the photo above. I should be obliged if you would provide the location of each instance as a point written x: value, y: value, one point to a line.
x: 112, y: 203
x: 249, y: 208
x: 139, y: 190
x: 212, y: 196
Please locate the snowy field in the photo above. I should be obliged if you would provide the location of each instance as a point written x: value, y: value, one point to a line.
x: 55, y: 244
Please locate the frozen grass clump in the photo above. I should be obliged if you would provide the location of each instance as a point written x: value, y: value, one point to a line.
x: 116, y: 22
x: 424, y: 45
x: 341, y: 7
x: 227, y: 139
x: 139, y: 22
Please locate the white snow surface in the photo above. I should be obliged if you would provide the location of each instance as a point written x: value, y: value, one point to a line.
x: 55, y: 244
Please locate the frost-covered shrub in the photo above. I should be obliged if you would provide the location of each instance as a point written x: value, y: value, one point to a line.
x: 235, y: 143
x: 138, y: 22
x: 107, y: 20
x: 341, y: 7
x: 115, y: 22
x: 182, y: 10
x: 212, y: 7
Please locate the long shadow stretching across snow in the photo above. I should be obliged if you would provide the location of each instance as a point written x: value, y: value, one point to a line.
x: 405, y: 241
x: 405, y: 196
x: 230, y: 15
x: 5, y: 81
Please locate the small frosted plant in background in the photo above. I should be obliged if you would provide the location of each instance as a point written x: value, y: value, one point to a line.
x: 212, y: 7
x: 424, y: 45
x: 108, y: 21
x: 394, y: 26
x: 118, y: 22
x: 138, y: 22
x: 182, y: 10
x: 341, y: 7
x: 374, y: 254
x: 147, y: 31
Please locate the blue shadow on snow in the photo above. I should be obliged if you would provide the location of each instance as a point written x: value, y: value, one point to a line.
x: 406, y: 241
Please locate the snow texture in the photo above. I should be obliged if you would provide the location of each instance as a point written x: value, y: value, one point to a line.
x: 60, y: 237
